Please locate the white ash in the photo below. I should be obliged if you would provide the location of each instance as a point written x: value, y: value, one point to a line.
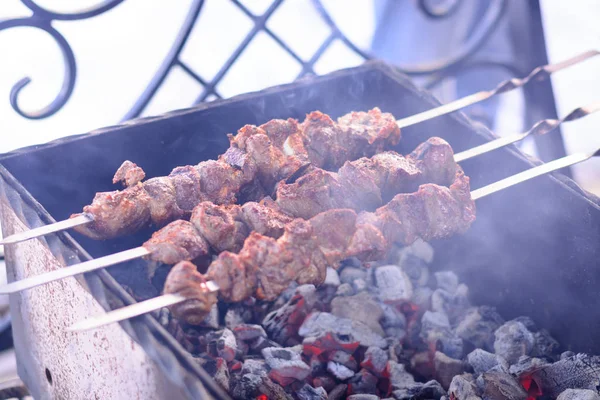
x: 310, y: 393
x: 500, y: 386
x: 513, y: 340
x: 481, y: 361
x: 393, y: 285
x: 319, y: 323
x: 332, y: 278
x: 446, y: 368
x: 340, y: 371
x: 349, y: 274
x: 399, y: 378
x: 462, y: 387
x: 359, y: 285
x: 447, y: 281
x: 345, y: 289
x: 360, y: 307
x: 579, y: 394
x: 286, y: 363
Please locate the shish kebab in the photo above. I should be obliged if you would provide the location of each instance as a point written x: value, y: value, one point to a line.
x: 537, y: 74
x: 355, y: 186
x: 307, y: 247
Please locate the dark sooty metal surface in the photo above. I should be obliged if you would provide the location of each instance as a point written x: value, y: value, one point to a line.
x: 534, y: 249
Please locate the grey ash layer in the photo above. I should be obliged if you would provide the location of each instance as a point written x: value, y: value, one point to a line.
x: 394, y: 330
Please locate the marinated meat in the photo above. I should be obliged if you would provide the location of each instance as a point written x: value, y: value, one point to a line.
x: 175, y: 242
x: 129, y: 174
x: 163, y: 201
x: 265, y: 217
x: 222, y: 226
x: 236, y: 280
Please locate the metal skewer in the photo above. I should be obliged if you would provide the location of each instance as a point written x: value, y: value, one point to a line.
x: 540, y: 73
x: 166, y: 300
x: 170, y: 299
x: 539, y: 128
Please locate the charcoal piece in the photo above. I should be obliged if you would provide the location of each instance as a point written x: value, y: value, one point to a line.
x: 285, y: 363
x: 416, y: 269
x: 320, y: 323
x: 483, y: 361
x: 362, y: 396
x: 513, y: 340
x: 235, y: 316
x: 253, y: 366
x: 528, y: 322
x: 567, y: 354
x: 463, y: 388
x: 340, y: 371
x: 251, y: 386
x: 478, y: 326
x: 282, y: 324
x: 578, y: 372
x: 421, y: 364
x: 579, y: 394
x: 317, y: 365
x: 332, y: 278
x: 391, y: 317
x: 338, y: 392
x: 349, y: 274
x: 249, y: 331
x: 360, y: 307
x: 399, y: 333
x: 217, y: 368
x: 446, y: 368
x: 345, y: 289
x: 399, y: 378
x: 362, y: 382
x: 257, y: 345
x: 434, y: 325
x: 394, y: 348
x: 422, y: 298
x: 500, y: 386
x: 327, y: 382
x: 328, y: 342
x: 343, y: 358
x: 421, y: 391
x: 526, y: 364
x: 452, y: 346
x: 359, y: 285
x: 308, y: 392
x: 375, y: 360
x: 447, y: 281
x: 545, y: 345
x: 393, y: 285
x: 422, y: 250
x: 222, y: 344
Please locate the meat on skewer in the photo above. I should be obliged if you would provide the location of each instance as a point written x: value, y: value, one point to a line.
x: 265, y: 266
x: 359, y: 185
x: 257, y: 158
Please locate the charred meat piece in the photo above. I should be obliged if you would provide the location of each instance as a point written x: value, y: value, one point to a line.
x: 265, y: 217
x: 221, y: 226
x: 309, y: 195
x: 117, y: 213
x: 129, y: 174
x: 163, y: 201
x: 369, y: 132
x: 236, y: 280
x: 186, y: 281
x: 175, y: 242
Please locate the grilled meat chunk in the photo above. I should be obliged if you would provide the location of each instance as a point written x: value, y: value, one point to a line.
x: 222, y: 226
x: 175, y: 242
x: 129, y: 174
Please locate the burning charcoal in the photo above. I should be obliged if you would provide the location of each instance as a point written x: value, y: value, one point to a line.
x: 249, y: 332
x: 566, y: 354
x: 338, y: 392
x: 416, y: 269
x: 447, y: 281
x: 328, y: 342
x: 422, y: 250
x: 327, y: 382
x: 393, y: 285
x: 500, y: 386
x: 545, y: 345
x: 394, y: 348
x: 332, y: 278
x: 434, y: 325
x: 339, y: 371
x: 528, y: 322
x: 319, y: 323
x: 482, y: 361
x: 310, y: 393
x: 360, y: 307
x: 462, y: 388
x: 446, y: 368
x: 349, y: 274
x: 579, y: 394
x: 579, y: 372
x: 525, y: 365
x: 451, y: 346
x: 222, y: 344
x: 399, y: 378
x: 256, y: 367
x: 343, y: 358
x: 252, y: 386
x: 375, y: 360
x: 513, y: 340
x: 359, y: 285
x: 317, y: 365
x: 421, y: 364
x: 345, y: 289
x: 362, y: 382
x: 391, y: 317
x: 421, y: 391
x: 257, y: 345
x: 282, y: 324
x: 422, y: 298
x: 217, y: 368
x: 362, y: 396
x: 478, y: 326
x: 286, y: 365
x: 234, y: 317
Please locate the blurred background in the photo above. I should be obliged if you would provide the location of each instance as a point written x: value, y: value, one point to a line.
x: 93, y: 64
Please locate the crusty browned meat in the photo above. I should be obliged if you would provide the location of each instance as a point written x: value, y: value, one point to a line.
x: 258, y: 158
x: 236, y: 280
x: 175, y: 242
x: 222, y: 226
x: 265, y: 217
x: 186, y: 281
x: 129, y: 174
